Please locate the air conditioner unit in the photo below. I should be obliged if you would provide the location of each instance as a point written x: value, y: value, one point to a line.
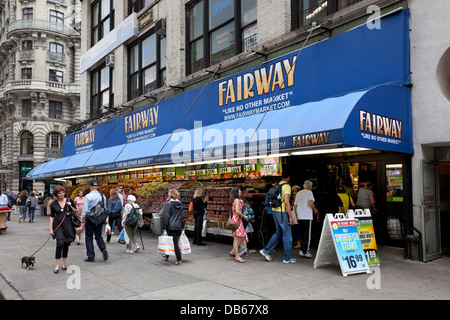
x: 109, y: 60
x: 160, y: 27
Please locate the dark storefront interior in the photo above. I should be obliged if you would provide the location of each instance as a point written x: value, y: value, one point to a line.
x: 389, y: 173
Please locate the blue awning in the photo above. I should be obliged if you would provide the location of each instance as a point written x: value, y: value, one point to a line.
x: 377, y: 118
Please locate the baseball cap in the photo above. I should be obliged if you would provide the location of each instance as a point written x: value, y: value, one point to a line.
x: 93, y: 183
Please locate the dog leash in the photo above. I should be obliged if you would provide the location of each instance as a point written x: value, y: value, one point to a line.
x: 49, y: 236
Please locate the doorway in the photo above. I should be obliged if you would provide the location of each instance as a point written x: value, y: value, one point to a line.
x: 444, y: 196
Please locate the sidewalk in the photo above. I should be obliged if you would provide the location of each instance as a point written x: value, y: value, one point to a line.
x: 208, y: 273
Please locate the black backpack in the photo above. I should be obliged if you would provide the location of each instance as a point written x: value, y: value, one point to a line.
x: 98, y: 213
x: 274, y: 198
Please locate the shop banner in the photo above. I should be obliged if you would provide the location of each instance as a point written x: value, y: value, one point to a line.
x: 366, y: 234
x: 275, y: 85
x: 340, y: 242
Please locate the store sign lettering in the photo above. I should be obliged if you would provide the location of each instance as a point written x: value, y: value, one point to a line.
x: 313, y: 139
x: 219, y: 6
x: 379, y: 125
x: 141, y: 120
x: 258, y: 82
x: 85, y: 137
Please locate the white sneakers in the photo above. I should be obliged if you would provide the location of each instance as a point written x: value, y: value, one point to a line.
x: 305, y: 255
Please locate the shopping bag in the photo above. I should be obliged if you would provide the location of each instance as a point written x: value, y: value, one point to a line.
x: 123, y: 237
x: 107, y: 229
x: 183, y: 244
x: 204, y: 226
x: 165, y: 245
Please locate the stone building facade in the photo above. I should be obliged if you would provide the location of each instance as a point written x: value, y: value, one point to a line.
x: 39, y: 84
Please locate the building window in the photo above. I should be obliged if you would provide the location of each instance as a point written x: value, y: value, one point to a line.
x: 102, y: 19
x: 26, y: 143
x: 55, y: 76
x: 147, y: 65
x: 218, y: 30
x: 305, y: 12
x: 55, y: 109
x: 56, y: 52
x: 54, y: 140
x: 27, y: 73
x: 27, y: 14
x: 26, y: 108
x: 102, y: 90
x: 27, y: 45
x: 56, y: 17
x: 137, y: 5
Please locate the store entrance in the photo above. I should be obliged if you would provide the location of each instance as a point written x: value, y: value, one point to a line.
x: 385, y: 173
x: 444, y: 196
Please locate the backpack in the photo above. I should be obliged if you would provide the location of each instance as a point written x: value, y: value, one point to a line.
x: 248, y: 211
x: 132, y: 218
x: 274, y: 196
x: 98, y: 213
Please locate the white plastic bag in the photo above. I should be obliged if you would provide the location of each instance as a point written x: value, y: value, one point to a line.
x: 183, y: 244
x: 107, y: 229
x: 165, y: 245
x: 204, y: 226
x: 123, y: 237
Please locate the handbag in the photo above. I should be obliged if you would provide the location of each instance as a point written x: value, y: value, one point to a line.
x: 165, y: 245
x: 183, y: 244
x: 75, y: 220
x: 98, y: 214
x: 230, y: 225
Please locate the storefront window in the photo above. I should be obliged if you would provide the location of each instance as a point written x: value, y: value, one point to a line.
x: 394, y: 183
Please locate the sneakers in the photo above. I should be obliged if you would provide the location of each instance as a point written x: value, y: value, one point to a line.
x: 292, y: 260
x: 266, y: 255
x: 305, y: 255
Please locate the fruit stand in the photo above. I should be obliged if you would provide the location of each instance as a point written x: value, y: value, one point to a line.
x: 3, y: 223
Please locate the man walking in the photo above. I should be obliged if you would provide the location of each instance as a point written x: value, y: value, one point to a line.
x: 303, y: 209
x: 90, y: 200
x: 283, y: 220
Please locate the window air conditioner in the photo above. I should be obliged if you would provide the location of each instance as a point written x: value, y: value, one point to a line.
x: 110, y: 60
x: 160, y: 27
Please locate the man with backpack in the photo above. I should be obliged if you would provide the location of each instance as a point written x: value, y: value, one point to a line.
x: 93, y: 216
x: 131, y: 216
x: 278, y: 199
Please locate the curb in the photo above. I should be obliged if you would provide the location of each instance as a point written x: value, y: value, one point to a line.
x: 7, y: 291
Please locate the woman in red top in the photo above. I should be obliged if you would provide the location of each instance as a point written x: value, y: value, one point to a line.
x: 239, y: 235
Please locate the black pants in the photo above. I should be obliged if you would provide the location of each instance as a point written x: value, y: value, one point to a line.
x: 198, y: 228
x: 305, y: 234
x: 114, y: 217
x: 62, y: 249
x: 175, y: 234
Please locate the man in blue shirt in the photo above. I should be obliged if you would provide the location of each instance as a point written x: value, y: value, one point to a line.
x: 90, y: 200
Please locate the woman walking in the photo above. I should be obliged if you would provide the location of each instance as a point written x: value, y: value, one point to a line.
x: 115, y: 212
x: 79, y: 201
x: 173, y: 221
x: 31, y: 204
x: 199, y: 211
x: 239, y: 235
x: 21, y: 201
x: 131, y: 230
x: 61, y: 226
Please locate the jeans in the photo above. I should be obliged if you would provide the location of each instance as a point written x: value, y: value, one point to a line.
x: 31, y: 211
x: 282, y: 232
x: 91, y: 231
x: 23, y: 212
x: 114, y: 218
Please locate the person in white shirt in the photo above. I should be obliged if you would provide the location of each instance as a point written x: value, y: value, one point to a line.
x: 305, y: 208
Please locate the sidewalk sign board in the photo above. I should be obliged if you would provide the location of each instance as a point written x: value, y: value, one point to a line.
x: 366, y: 234
x: 340, y: 243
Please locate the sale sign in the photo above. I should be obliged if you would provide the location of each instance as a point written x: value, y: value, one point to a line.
x: 340, y: 242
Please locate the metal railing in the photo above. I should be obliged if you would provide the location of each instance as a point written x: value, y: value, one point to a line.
x: 43, y: 25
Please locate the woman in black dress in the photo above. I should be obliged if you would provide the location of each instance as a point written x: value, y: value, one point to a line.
x: 199, y: 211
x: 61, y: 226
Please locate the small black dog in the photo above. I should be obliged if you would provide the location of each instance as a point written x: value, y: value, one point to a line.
x: 29, y: 261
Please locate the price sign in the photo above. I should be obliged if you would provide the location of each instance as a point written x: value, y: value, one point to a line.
x: 340, y: 242
x: 366, y: 234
